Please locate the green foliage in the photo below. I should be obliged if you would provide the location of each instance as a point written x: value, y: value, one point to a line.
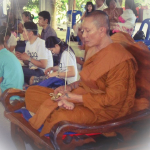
x: 33, y: 7
x: 61, y: 6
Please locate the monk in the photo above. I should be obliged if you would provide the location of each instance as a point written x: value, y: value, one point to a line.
x: 106, y: 90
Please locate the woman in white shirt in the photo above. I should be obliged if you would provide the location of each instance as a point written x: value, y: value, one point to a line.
x: 66, y: 58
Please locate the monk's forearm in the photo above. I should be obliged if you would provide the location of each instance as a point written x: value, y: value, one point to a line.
x: 74, y: 85
x: 74, y: 98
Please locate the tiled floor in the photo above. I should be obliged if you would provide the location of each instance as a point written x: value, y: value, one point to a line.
x: 6, y: 142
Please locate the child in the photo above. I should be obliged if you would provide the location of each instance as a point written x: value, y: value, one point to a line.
x: 60, y: 48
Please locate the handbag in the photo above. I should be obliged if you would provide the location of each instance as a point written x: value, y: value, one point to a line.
x: 139, y: 36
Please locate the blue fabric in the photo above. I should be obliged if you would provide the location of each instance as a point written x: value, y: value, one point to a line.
x: 27, y: 116
x: 10, y: 71
x: 52, y: 82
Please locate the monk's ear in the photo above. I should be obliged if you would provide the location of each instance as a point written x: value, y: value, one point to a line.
x: 102, y: 30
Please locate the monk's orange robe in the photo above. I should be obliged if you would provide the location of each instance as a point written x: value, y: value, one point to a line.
x: 107, y: 87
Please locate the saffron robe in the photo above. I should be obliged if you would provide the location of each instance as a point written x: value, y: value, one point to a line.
x: 107, y: 87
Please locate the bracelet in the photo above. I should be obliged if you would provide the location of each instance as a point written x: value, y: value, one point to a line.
x: 29, y: 59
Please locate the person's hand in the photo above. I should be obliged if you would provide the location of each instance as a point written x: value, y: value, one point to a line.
x: 18, y: 55
x: 54, y: 74
x: 25, y: 56
x: 48, y: 70
x: 61, y: 89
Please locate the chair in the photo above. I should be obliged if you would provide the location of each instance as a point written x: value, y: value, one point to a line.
x: 147, y: 38
x: 130, y: 127
x: 134, y: 26
x: 74, y: 13
x: 146, y: 21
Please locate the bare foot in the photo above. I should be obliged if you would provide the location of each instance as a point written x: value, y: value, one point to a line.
x: 66, y: 104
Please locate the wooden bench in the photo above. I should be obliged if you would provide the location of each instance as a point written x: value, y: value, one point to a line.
x: 130, y: 127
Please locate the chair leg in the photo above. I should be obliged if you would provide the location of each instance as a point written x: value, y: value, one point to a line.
x: 18, y: 140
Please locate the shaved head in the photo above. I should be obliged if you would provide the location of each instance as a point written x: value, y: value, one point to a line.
x: 100, y: 19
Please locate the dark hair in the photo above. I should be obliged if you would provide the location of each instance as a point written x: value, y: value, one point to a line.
x: 2, y: 34
x: 131, y: 5
x: 108, y: 1
x: 53, y: 40
x: 31, y: 26
x: 5, y: 30
x: 11, y: 25
x: 45, y: 15
x: 100, y: 19
x: 28, y: 14
x: 86, y: 7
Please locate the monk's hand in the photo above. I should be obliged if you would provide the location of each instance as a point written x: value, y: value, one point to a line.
x: 67, y: 96
x: 61, y: 89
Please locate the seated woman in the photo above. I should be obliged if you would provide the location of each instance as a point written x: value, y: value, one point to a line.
x: 77, y: 28
x: 10, y: 40
x: 126, y: 22
x: 13, y: 22
x: 113, y: 12
x: 67, y: 61
x: 26, y: 17
x: 89, y: 8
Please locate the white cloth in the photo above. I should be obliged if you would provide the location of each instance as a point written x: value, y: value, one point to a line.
x: 50, y: 59
x: 12, y: 41
x: 71, y: 62
x: 129, y: 17
x: 38, y: 51
x: 129, y: 24
x: 102, y: 7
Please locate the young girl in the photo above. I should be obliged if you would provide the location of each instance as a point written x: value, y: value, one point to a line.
x: 66, y: 61
x: 89, y: 8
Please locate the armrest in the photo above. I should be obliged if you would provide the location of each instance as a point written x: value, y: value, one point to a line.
x: 110, y: 126
x: 5, y: 99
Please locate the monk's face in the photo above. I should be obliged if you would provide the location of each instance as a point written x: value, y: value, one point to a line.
x: 90, y: 33
x: 112, y: 4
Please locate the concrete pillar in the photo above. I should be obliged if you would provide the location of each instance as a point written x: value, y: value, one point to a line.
x: 72, y: 3
x: 49, y: 5
x: 41, y: 5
